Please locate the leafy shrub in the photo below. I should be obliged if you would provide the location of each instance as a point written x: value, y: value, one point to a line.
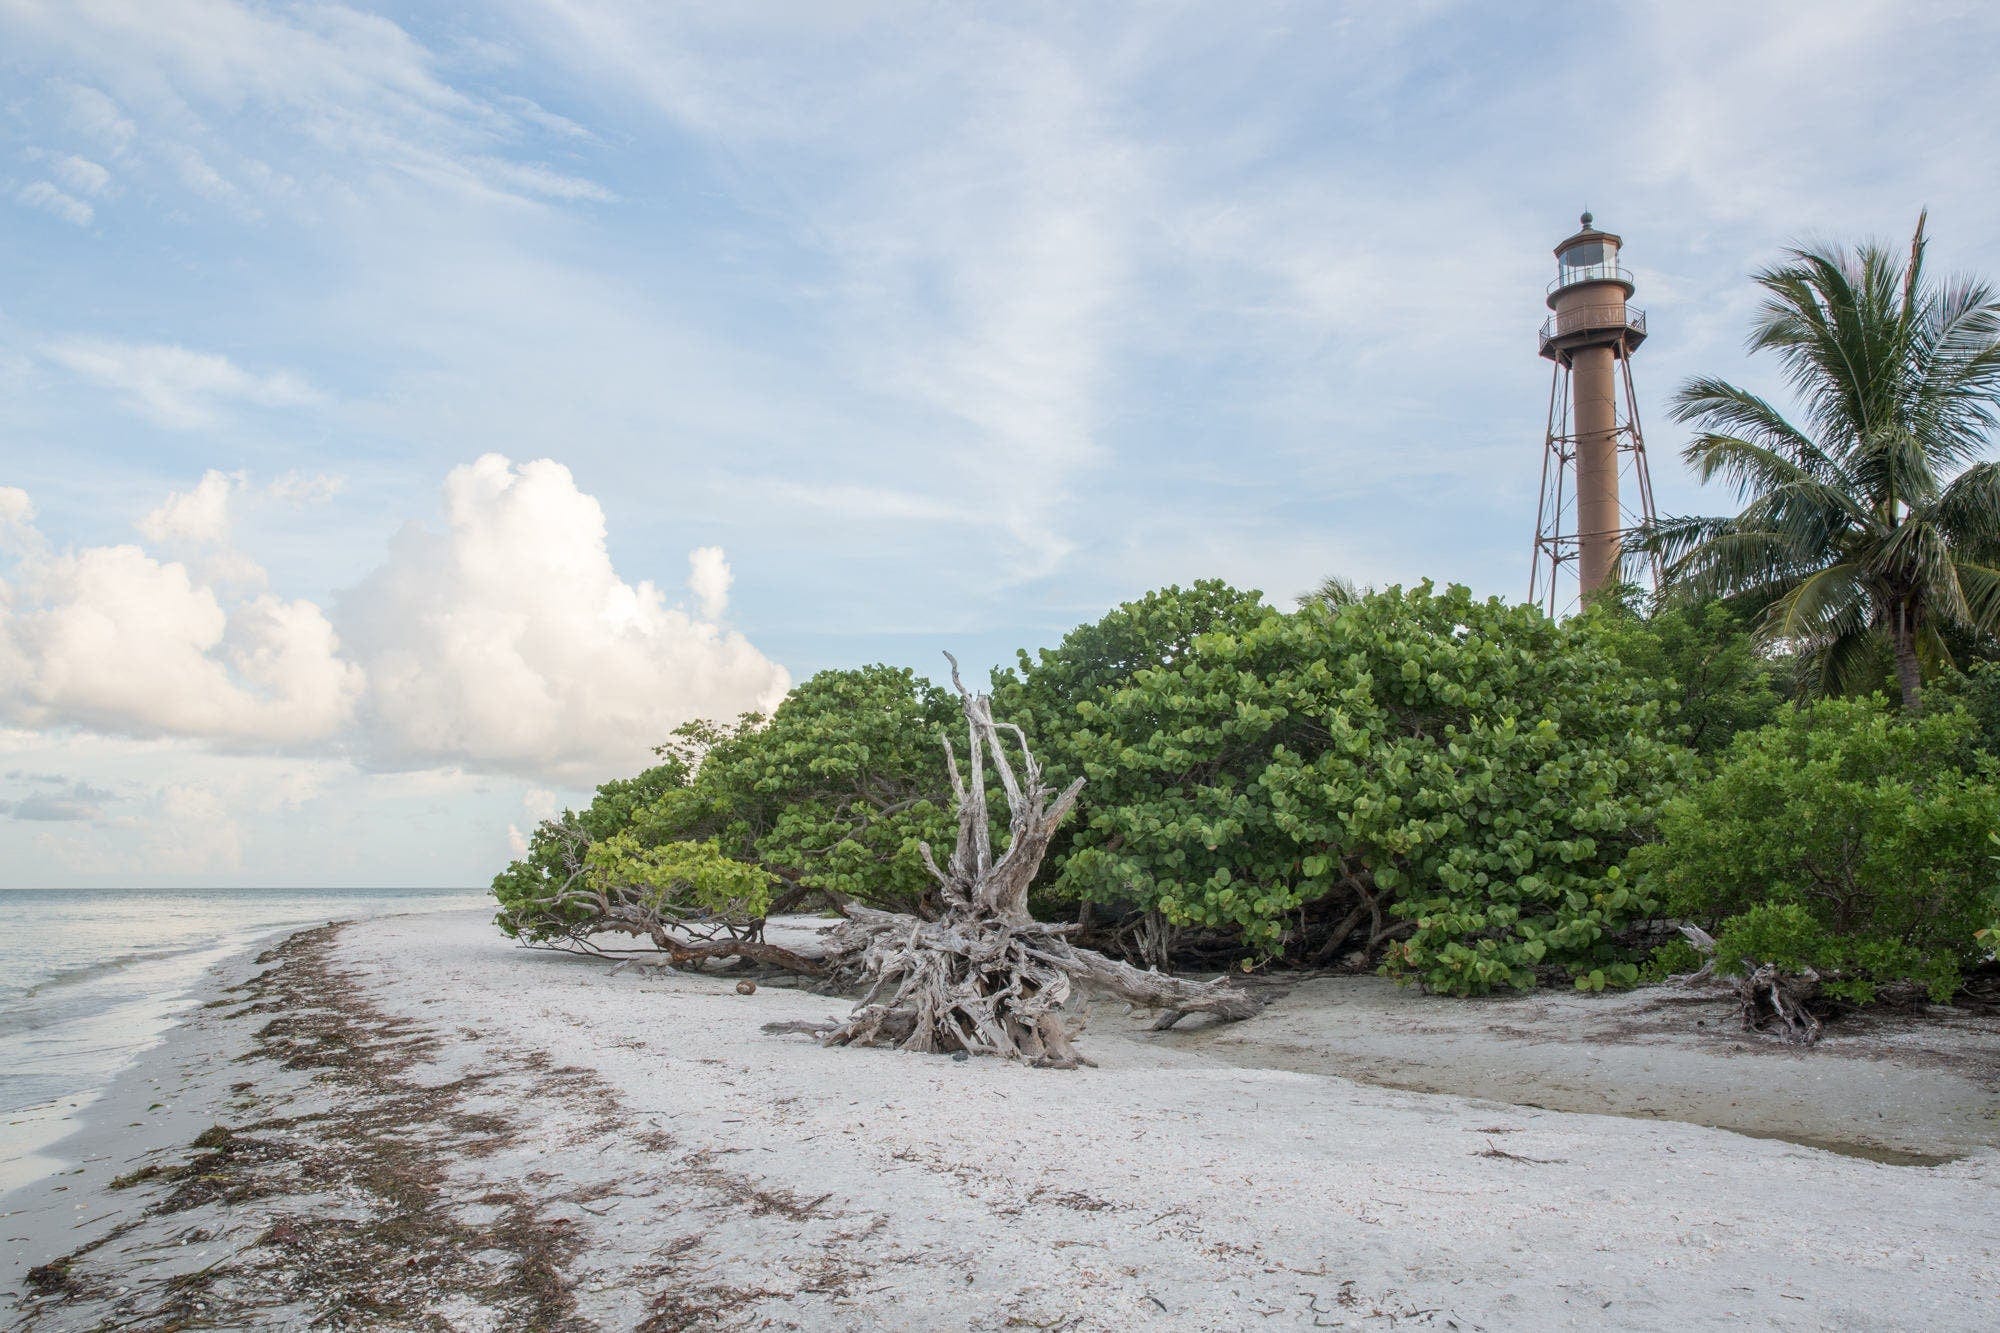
x: 1845, y: 838
x: 530, y: 889
x: 830, y: 796
x: 621, y: 884
x: 1701, y: 661
x: 1462, y: 777
x: 1977, y: 691
x: 1045, y: 693
x: 1672, y: 959
x: 681, y: 879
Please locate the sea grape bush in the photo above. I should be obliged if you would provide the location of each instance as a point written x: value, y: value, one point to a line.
x: 1045, y: 693
x: 529, y: 888
x: 687, y: 879
x: 825, y: 800
x: 831, y: 795
x: 1700, y: 658
x: 1844, y: 837
x: 1458, y: 777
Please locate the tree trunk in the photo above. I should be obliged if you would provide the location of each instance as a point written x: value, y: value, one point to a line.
x: 985, y: 977
x: 1908, y: 675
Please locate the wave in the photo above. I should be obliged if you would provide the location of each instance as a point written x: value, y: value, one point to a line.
x: 78, y: 973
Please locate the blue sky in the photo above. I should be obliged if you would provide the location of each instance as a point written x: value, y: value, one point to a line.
x: 925, y: 326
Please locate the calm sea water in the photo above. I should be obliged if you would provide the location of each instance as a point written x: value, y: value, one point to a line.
x: 91, y: 977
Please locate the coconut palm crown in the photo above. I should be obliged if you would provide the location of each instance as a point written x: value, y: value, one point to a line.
x: 1873, y: 523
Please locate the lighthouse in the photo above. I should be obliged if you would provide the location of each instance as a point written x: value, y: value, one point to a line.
x: 1593, y: 439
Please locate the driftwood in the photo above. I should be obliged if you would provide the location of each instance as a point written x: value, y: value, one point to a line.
x: 1773, y: 997
x: 1769, y: 997
x: 985, y: 977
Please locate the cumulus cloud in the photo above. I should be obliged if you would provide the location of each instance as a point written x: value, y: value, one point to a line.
x: 196, y: 524
x: 540, y: 805
x: 17, y: 514
x: 709, y: 579
x: 45, y: 196
x: 177, y: 386
x: 509, y: 642
x: 111, y: 639
x: 506, y: 642
x: 199, y: 516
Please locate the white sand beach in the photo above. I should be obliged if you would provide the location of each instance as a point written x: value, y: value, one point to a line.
x: 421, y: 1125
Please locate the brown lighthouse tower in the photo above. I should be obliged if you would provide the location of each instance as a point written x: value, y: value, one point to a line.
x: 1593, y: 433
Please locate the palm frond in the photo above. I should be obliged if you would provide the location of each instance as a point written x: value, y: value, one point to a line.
x: 1751, y: 467
x: 1956, y: 372
x: 1724, y: 409
x: 1853, y: 663
x: 1826, y: 604
x: 1968, y: 511
x: 1979, y: 586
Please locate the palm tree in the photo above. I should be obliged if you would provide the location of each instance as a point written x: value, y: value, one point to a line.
x: 1872, y: 522
x: 1337, y: 591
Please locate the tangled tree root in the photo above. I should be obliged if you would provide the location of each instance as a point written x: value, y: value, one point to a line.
x: 986, y: 977
x: 1771, y: 997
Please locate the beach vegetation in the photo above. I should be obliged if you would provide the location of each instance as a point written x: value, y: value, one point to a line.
x: 831, y: 796
x: 1844, y: 840
x: 1703, y: 661
x: 1451, y: 782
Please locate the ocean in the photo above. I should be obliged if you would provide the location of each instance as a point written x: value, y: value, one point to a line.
x: 89, y: 978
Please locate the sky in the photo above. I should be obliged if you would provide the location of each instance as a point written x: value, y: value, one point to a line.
x: 410, y: 413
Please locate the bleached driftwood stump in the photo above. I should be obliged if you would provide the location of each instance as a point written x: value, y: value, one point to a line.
x: 986, y: 977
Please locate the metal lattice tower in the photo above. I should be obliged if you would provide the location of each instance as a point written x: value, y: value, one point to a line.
x: 1593, y: 441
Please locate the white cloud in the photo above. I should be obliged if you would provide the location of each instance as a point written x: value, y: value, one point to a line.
x: 45, y: 196
x: 978, y: 211
x: 111, y: 639
x: 540, y: 804
x: 93, y: 113
x: 17, y: 514
x: 177, y: 386
x: 505, y: 643
x: 509, y: 642
x: 299, y: 490
x: 196, y: 525
x: 709, y: 579
x: 82, y: 175
x: 352, y: 86
x: 199, y: 516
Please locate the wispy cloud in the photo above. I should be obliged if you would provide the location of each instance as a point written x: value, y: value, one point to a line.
x: 177, y: 386
x: 68, y: 803
x: 356, y: 85
x: 45, y: 196
x: 82, y: 175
